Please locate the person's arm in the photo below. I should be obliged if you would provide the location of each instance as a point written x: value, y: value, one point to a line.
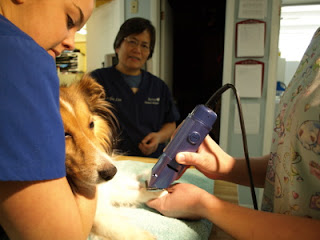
x: 150, y: 143
x: 190, y: 202
x: 240, y: 175
x: 46, y: 210
x: 244, y: 223
x: 214, y: 163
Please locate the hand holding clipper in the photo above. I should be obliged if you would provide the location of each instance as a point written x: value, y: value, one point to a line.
x: 187, y: 139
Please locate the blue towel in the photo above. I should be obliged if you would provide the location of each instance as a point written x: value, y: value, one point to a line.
x: 165, y: 228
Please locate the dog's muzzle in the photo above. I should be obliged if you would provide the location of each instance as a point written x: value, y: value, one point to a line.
x: 108, y: 174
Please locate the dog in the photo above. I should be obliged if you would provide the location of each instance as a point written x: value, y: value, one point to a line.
x: 90, y: 129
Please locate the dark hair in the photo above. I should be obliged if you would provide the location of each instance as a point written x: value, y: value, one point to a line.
x: 135, y: 26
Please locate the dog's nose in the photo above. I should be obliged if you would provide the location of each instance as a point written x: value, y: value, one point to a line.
x: 108, y: 174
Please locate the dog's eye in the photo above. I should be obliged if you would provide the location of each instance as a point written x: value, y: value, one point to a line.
x: 91, y: 125
x: 66, y: 134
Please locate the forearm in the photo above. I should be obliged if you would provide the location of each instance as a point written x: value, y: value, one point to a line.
x: 239, y: 172
x: 48, y: 208
x: 87, y: 203
x: 244, y: 223
x: 166, y: 131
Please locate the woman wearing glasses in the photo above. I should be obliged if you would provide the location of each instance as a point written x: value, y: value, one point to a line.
x: 143, y: 103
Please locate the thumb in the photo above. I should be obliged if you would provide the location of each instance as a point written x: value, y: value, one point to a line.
x: 146, y: 139
x: 153, y: 203
x: 187, y: 158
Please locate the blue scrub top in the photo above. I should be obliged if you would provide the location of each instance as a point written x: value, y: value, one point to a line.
x: 32, y: 144
x: 138, y: 113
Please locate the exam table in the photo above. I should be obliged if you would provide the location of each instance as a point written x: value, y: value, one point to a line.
x: 162, y: 226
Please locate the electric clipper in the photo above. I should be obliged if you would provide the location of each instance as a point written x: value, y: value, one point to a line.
x: 187, y: 139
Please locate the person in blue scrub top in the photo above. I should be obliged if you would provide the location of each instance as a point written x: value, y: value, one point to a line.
x: 143, y: 103
x: 36, y: 201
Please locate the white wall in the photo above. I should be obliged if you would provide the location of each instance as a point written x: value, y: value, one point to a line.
x: 166, y: 44
x: 102, y: 29
x: 290, y: 69
x: 104, y: 25
x: 259, y: 143
x: 297, y: 2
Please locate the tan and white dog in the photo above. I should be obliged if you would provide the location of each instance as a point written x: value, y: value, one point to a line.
x: 90, y: 128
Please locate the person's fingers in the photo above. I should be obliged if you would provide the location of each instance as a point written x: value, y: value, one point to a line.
x: 154, y: 203
x: 187, y: 158
x: 146, y: 139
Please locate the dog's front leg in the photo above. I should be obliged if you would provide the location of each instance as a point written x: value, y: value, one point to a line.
x: 110, y: 225
x: 127, y: 190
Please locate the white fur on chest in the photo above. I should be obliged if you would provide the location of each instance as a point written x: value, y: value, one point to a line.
x: 121, y: 191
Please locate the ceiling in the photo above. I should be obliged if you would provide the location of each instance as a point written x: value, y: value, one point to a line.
x: 297, y: 26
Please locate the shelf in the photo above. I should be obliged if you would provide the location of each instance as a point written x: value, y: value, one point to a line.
x: 101, y: 2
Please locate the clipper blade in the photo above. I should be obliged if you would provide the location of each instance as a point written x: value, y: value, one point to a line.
x: 152, y: 189
x: 144, y: 182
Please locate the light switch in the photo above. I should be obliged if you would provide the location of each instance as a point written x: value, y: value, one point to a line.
x: 134, y: 6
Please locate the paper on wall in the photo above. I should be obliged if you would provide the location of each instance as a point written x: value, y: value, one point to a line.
x: 254, y: 9
x: 248, y: 80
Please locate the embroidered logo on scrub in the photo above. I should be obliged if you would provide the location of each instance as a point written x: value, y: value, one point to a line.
x: 113, y: 99
x: 154, y: 101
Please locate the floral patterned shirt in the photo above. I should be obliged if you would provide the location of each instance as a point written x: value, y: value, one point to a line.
x: 293, y: 175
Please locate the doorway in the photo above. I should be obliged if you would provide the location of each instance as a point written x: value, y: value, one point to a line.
x: 297, y: 25
x: 198, y: 48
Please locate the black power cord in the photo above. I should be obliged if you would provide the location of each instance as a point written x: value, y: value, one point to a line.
x: 213, y: 99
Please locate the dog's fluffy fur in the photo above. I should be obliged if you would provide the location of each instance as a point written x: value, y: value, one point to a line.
x: 89, y: 129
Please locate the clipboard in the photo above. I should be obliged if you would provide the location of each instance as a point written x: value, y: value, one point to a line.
x: 248, y: 78
x: 250, y: 38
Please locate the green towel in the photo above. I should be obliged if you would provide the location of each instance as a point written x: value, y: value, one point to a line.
x: 165, y: 228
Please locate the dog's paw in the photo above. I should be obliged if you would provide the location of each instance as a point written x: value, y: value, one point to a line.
x: 145, y: 195
x: 143, y: 178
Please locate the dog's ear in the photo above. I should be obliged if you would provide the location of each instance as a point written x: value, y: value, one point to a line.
x: 95, y: 97
x: 91, y: 88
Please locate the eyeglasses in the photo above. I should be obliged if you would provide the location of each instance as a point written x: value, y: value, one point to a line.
x: 135, y: 43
